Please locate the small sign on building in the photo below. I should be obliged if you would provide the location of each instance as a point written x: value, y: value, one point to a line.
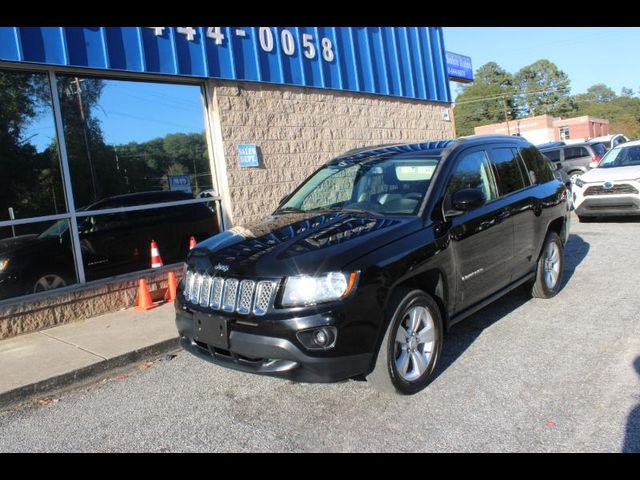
x: 248, y: 155
x: 180, y: 183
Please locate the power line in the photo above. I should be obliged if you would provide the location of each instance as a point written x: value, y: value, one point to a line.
x: 502, y: 95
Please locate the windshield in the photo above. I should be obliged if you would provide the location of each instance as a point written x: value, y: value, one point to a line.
x: 621, y: 157
x: 394, y: 186
x: 55, y: 230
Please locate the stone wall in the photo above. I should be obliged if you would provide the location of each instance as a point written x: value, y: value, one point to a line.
x: 297, y: 129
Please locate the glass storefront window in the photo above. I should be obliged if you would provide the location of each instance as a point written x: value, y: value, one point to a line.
x: 35, y: 257
x: 117, y: 243
x: 129, y: 137
x: 29, y: 161
x: 129, y: 144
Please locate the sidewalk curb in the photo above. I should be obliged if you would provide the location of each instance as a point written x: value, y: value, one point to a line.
x: 27, y: 392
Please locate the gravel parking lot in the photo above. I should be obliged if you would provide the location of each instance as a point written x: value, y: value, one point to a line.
x: 521, y: 375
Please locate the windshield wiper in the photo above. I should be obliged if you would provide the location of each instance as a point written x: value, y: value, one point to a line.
x: 351, y: 209
x: 290, y: 209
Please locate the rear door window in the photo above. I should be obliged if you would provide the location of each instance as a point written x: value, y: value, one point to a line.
x: 553, y: 155
x: 539, y: 169
x: 508, y: 170
x: 571, y: 153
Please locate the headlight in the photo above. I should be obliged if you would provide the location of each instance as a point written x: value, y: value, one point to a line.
x: 3, y: 264
x: 579, y: 182
x: 306, y: 290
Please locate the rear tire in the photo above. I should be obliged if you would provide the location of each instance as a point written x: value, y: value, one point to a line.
x: 411, y: 346
x: 549, y: 270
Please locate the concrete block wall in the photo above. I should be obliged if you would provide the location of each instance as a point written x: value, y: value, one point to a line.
x: 297, y: 129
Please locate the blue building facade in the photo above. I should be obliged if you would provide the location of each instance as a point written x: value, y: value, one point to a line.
x: 400, y: 61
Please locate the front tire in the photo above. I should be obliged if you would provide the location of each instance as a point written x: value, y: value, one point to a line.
x: 411, y: 346
x: 550, y: 266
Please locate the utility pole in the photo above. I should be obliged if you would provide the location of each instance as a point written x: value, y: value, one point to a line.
x: 506, y: 118
x: 86, y: 140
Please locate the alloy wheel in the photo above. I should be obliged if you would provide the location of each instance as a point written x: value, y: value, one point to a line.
x: 415, y: 343
x: 49, y: 282
x: 551, y: 265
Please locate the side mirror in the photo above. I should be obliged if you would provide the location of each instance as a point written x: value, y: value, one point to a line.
x: 468, y: 199
x: 593, y: 164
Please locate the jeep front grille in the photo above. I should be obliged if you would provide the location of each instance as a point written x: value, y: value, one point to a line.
x: 229, y: 294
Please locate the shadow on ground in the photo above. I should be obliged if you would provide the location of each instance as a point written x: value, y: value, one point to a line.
x: 463, y: 334
x: 632, y: 433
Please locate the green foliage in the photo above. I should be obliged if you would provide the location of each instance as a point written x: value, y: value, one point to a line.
x: 542, y: 88
x: 494, y: 86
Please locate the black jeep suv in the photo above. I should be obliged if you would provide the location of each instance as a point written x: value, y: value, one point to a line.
x: 360, y: 271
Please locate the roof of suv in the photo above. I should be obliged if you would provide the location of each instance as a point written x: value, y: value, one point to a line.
x: 548, y: 147
x: 433, y: 148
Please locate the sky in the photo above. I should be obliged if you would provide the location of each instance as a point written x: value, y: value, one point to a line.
x: 588, y: 55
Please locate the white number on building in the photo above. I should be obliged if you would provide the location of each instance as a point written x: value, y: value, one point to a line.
x: 216, y: 34
x: 288, y: 45
x: 157, y: 30
x: 327, y: 49
x: 308, y: 46
x: 190, y: 32
x: 266, y: 39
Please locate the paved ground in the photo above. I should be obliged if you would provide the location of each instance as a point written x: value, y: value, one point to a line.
x: 521, y: 375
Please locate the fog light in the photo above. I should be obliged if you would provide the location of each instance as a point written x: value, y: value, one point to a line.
x: 320, y: 337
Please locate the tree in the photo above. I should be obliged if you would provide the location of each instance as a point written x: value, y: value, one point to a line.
x: 626, y: 92
x: 600, y: 93
x: 486, y: 100
x: 542, y: 88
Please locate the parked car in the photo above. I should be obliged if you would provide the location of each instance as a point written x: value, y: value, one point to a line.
x: 609, y: 141
x: 612, y: 188
x: 111, y: 243
x: 575, y: 158
x: 361, y: 270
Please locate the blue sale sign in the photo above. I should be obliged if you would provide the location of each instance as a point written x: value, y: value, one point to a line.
x: 459, y: 68
x: 248, y: 155
x: 180, y: 183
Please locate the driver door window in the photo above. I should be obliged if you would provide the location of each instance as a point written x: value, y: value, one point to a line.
x: 473, y: 171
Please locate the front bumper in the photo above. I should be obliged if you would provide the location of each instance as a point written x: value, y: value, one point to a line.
x: 611, y: 205
x: 271, y: 349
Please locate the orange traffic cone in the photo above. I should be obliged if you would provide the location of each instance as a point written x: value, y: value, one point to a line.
x: 156, y: 261
x: 143, y: 301
x: 192, y: 242
x: 172, y: 286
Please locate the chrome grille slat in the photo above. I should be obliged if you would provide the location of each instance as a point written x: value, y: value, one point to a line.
x: 195, y: 295
x: 216, y: 293
x: 188, y: 284
x: 244, y: 296
x: 264, y: 292
x: 230, y: 294
x: 205, y: 291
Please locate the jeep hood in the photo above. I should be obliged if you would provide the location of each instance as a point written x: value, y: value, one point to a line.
x: 299, y: 243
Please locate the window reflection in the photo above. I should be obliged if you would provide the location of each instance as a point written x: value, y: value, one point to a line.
x: 129, y: 137
x: 35, y: 258
x: 117, y: 243
x: 29, y: 161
